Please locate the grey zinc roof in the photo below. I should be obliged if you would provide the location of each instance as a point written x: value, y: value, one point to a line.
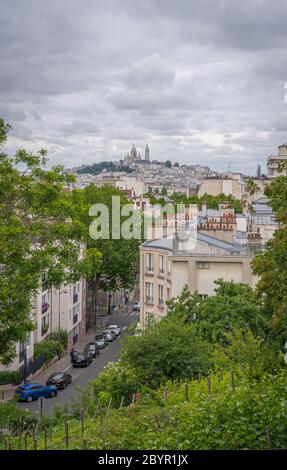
x: 263, y: 220
x: 166, y: 243
x: 231, y: 247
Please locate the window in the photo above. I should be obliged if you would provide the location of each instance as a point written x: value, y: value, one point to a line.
x: 149, y: 292
x: 169, y: 266
x: 161, y: 260
x: 202, y: 265
x: 160, y: 295
x: 149, y: 262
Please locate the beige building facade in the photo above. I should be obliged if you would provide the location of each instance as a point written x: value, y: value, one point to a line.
x: 165, y: 270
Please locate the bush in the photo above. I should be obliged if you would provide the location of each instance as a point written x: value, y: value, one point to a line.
x: 167, y: 350
x: 117, y: 380
x: 50, y: 347
x: 10, y: 377
x: 63, y: 338
x: 15, y: 418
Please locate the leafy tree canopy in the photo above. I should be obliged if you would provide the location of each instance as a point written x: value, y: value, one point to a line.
x: 39, y: 237
x: 168, y: 349
x: 233, y: 305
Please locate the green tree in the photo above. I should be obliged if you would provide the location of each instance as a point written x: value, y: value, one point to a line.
x: 249, y: 353
x: 233, y: 305
x: 38, y: 237
x: 251, y: 187
x: 166, y: 350
x: 163, y: 191
x: 168, y: 164
x: 271, y: 264
x: 119, y: 257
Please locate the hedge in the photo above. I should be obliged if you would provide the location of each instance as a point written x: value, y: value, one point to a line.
x: 50, y: 347
x: 10, y: 377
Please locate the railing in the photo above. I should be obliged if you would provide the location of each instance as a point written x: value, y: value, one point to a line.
x: 44, y: 329
x: 75, y: 338
x: 32, y: 366
x: 45, y: 307
x: 22, y: 355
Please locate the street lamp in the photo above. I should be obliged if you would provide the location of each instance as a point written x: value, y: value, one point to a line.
x: 59, y: 322
x: 25, y: 361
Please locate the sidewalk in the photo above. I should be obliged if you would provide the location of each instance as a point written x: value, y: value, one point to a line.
x: 57, y: 365
x: 64, y: 364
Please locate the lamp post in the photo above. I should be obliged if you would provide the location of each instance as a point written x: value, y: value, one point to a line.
x: 59, y: 323
x: 25, y: 362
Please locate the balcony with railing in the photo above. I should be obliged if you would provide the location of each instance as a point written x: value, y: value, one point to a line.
x: 45, y: 328
x: 45, y: 307
x: 22, y: 355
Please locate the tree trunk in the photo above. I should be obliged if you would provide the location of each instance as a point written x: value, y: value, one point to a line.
x: 109, y: 304
x: 95, y: 299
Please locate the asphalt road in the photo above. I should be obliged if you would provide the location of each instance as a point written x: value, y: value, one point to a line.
x: 82, y: 376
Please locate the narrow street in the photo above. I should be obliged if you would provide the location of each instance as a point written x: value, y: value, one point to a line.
x: 81, y: 376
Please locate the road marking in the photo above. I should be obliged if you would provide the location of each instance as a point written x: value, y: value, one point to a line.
x: 76, y: 376
x: 67, y: 368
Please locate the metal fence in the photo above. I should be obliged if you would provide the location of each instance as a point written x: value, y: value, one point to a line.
x: 32, y: 366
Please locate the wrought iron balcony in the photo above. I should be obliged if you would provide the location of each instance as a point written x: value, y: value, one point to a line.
x: 45, y: 307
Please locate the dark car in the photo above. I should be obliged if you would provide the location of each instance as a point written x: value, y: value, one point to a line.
x: 101, y: 341
x: 82, y: 359
x: 59, y: 379
x: 92, y: 349
x: 29, y: 392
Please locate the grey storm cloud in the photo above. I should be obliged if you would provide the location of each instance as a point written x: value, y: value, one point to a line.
x: 199, y: 81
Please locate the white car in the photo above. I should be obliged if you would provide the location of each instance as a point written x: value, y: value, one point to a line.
x: 115, y: 328
x: 136, y: 307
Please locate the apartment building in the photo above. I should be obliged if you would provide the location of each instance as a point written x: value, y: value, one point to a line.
x: 274, y: 161
x: 62, y: 309
x: 168, y: 264
x: 54, y: 310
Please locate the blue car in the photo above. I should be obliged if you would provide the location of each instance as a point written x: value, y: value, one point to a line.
x: 30, y: 392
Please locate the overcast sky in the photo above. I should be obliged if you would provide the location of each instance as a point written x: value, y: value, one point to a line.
x: 200, y: 81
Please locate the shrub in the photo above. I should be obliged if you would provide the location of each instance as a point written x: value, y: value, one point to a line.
x: 15, y: 418
x: 50, y: 347
x: 63, y: 338
x: 117, y: 380
x: 10, y: 377
x: 167, y: 350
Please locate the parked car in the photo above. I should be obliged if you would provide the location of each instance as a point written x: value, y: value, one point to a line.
x: 115, y: 328
x: 136, y: 307
x: 30, y: 392
x: 82, y: 359
x: 59, y: 379
x: 111, y: 335
x: 92, y: 349
x: 101, y: 341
